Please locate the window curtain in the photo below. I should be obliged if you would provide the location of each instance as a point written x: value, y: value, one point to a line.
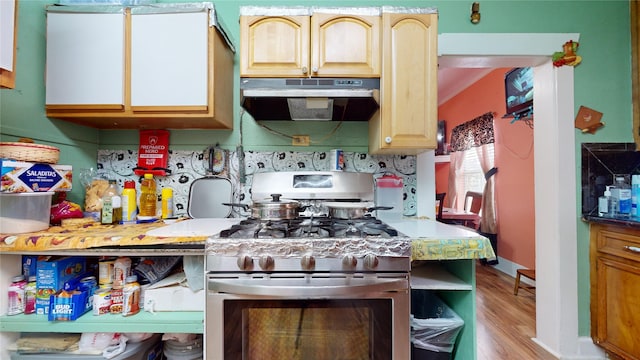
x: 475, y: 135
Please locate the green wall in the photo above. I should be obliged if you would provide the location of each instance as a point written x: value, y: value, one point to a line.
x: 602, y: 82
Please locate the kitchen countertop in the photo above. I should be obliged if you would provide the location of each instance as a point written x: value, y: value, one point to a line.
x: 430, y: 240
x: 632, y: 223
x: 433, y: 240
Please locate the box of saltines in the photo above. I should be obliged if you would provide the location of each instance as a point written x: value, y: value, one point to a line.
x: 20, y: 176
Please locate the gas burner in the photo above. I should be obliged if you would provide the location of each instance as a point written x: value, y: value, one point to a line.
x: 311, y: 227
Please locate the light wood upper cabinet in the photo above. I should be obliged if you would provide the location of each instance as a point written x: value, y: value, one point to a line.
x: 615, y: 289
x: 407, y: 120
x: 139, y: 70
x: 324, y: 45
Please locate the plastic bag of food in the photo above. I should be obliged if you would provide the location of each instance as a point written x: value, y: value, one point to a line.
x: 92, y: 342
x: 64, y: 210
x: 94, y: 189
x: 155, y: 268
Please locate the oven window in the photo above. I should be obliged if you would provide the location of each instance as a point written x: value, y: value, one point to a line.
x: 351, y: 329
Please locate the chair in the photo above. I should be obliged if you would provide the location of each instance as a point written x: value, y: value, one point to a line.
x: 440, y: 200
x: 528, y: 273
x: 473, y: 203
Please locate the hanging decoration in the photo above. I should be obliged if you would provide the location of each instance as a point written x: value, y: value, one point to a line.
x: 568, y: 56
x: 588, y: 120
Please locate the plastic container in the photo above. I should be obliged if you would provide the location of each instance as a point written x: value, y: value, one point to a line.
x: 191, y: 350
x: 30, y: 295
x: 150, y: 349
x: 434, y: 327
x: 129, y: 206
x: 623, y: 194
x: 16, y: 295
x: 635, y: 194
x: 389, y: 192
x: 603, y: 202
x: 148, y: 197
x: 24, y: 212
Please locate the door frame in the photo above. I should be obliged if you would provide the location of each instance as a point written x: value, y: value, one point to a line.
x: 555, y: 196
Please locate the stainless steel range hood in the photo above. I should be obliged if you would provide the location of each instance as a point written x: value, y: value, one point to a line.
x: 310, y: 98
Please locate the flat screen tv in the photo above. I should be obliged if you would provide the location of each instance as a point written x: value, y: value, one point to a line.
x: 518, y: 85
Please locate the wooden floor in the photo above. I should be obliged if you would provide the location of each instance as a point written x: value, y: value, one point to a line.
x: 505, y: 322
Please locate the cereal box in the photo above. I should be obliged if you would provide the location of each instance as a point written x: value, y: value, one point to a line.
x: 20, y: 176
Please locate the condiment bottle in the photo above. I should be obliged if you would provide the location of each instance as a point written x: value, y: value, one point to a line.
x: 111, y: 204
x: 167, y: 203
x: 148, y: 197
x: 131, y: 296
x: 16, y: 295
x: 129, y: 206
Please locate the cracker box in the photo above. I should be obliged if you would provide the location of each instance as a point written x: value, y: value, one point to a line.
x: 20, y: 176
x: 52, y: 273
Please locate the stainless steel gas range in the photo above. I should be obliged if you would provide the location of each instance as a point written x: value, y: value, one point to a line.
x: 308, y: 285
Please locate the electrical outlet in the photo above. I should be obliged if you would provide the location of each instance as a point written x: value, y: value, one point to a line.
x: 300, y: 140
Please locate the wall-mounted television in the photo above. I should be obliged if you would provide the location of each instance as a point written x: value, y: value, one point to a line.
x: 518, y: 85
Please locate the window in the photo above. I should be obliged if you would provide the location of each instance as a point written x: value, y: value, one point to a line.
x: 472, y: 178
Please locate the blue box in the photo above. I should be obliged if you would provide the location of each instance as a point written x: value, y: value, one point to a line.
x: 29, y: 263
x: 52, y: 273
x: 68, y: 305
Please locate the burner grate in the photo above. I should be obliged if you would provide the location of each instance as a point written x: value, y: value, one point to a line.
x: 319, y: 227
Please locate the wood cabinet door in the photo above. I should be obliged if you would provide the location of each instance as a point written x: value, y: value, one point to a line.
x: 408, y: 106
x: 345, y: 45
x: 85, y: 61
x: 274, y: 46
x: 615, y: 290
x: 169, y: 61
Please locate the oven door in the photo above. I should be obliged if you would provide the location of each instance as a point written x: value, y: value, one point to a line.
x: 308, y: 317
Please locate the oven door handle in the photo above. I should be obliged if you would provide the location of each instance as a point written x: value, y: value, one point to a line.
x: 325, y: 287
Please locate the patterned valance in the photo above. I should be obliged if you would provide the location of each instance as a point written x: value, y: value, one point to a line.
x: 473, y: 133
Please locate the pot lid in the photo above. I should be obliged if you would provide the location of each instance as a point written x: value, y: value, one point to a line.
x: 348, y: 205
x: 275, y: 200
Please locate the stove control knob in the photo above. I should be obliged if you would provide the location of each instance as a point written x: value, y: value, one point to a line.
x: 245, y: 262
x: 308, y: 262
x: 349, y: 262
x: 266, y: 262
x: 371, y: 261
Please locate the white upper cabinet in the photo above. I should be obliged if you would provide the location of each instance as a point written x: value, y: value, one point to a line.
x: 169, y: 59
x: 85, y: 59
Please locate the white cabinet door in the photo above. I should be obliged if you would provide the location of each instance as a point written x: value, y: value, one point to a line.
x: 85, y: 59
x: 169, y: 62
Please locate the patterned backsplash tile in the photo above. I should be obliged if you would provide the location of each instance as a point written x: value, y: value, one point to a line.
x: 187, y: 166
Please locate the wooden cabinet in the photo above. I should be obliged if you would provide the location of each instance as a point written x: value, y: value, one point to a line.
x: 407, y: 120
x: 323, y: 45
x: 139, y: 69
x: 8, y: 37
x: 615, y: 289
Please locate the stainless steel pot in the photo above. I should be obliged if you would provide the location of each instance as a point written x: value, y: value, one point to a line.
x: 273, y: 209
x: 351, y: 210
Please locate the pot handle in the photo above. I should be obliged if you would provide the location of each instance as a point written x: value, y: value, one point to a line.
x: 243, y: 206
x: 379, y: 208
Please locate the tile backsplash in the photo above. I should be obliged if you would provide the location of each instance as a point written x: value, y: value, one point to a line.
x: 187, y: 166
